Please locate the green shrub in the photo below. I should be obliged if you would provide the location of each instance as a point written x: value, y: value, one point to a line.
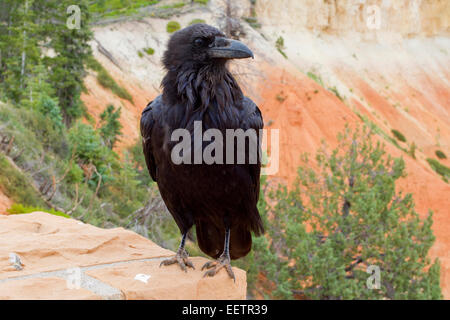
x: 379, y: 131
x: 173, y: 26
x: 113, y: 8
x: 140, y: 54
x: 110, y: 126
x: 279, y: 44
x: 440, y: 154
x: 398, y: 135
x: 178, y: 5
x: 281, y: 97
x: 195, y: 21
x: 125, y: 191
x: 315, y: 77
x: 47, y: 129
x: 149, y: 51
x: 86, y: 143
x: 93, y: 64
x: 48, y: 107
x: 138, y: 159
x: 33, y: 133
x: 89, y: 148
x: 412, y: 150
x: 21, y: 209
x: 342, y: 216
x: 106, y: 81
x: 173, y: 6
x: 15, y: 185
x: 75, y: 174
x: 34, y: 128
x: 253, y: 22
x: 441, y: 169
x: 336, y: 92
x: 204, y: 2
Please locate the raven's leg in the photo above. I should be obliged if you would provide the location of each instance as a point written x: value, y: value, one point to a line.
x: 222, y: 262
x: 181, y: 257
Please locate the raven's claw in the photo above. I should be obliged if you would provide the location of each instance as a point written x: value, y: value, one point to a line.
x: 181, y: 258
x: 222, y: 262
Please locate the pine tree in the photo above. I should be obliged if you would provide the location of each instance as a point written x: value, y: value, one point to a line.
x: 110, y: 129
x: 342, y: 220
x: 71, y: 50
x: 19, y: 50
x: 29, y: 31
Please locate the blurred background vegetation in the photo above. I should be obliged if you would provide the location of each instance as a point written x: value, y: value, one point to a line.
x: 54, y: 157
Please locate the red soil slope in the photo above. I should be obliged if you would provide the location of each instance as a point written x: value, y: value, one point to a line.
x: 310, y: 113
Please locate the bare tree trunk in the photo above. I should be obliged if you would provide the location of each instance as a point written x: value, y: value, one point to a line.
x: 228, y: 14
x: 96, y: 190
x: 10, y: 144
x: 56, y: 182
x: 24, y: 54
x: 76, y: 202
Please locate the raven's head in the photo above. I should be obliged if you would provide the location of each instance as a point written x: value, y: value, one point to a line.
x: 201, y: 44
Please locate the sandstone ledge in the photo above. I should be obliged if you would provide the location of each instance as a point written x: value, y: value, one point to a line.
x: 67, y: 259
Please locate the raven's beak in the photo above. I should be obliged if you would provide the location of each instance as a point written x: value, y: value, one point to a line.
x: 229, y: 49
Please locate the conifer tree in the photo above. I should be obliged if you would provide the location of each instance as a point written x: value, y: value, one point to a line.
x: 19, y: 51
x: 110, y: 129
x: 71, y: 47
x: 342, y: 220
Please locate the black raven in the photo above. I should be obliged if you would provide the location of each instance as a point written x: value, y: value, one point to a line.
x: 219, y: 198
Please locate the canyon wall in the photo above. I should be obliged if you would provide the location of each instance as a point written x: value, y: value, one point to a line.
x: 343, y: 17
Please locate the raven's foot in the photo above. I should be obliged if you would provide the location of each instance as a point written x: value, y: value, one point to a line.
x: 181, y: 258
x: 222, y: 262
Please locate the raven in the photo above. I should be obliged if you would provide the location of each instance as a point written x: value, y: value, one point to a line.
x: 220, y: 198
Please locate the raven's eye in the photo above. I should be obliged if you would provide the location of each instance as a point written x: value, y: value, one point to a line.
x: 199, y: 42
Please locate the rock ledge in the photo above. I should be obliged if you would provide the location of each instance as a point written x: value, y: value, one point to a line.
x: 67, y: 259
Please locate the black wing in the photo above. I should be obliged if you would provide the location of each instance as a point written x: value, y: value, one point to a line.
x: 147, y: 124
x: 209, y: 236
x: 253, y: 119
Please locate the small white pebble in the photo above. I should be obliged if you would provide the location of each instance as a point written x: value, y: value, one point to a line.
x: 15, y: 261
x: 142, y: 277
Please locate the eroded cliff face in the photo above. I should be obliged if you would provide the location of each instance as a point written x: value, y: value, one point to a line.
x: 350, y: 17
x: 397, y: 75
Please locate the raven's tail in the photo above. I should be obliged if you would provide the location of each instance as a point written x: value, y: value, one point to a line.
x: 211, y: 240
